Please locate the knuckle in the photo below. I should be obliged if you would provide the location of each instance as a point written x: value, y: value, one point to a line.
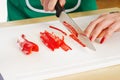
x: 108, y: 32
x: 93, y: 22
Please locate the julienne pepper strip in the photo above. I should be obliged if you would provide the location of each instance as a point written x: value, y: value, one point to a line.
x: 65, y: 47
x: 53, y: 42
x: 70, y: 28
x: 74, y: 34
x: 77, y: 40
x: 58, y: 29
x: 27, y: 46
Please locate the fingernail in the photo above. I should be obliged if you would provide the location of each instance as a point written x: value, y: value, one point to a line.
x: 90, y: 38
x: 102, y: 40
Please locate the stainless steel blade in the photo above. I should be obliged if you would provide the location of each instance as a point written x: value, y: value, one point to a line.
x: 64, y: 17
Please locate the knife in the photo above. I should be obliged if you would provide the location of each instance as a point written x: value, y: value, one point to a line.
x: 61, y: 14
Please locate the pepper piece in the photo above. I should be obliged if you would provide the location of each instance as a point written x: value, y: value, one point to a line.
x: 27, y: 46
x: 71, y: 29
x: 53, y: 42
x: 77, y: 40
x: 58, y: 29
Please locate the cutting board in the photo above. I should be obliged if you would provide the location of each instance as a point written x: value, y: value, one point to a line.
x: 45, y: 64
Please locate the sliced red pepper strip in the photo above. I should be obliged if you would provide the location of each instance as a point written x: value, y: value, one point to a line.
x: 70, y: 28
x: 52, y: 41
x: 65, y: 47
x: 77, y: 40
x: 58, y: 29
x: 27, y: 46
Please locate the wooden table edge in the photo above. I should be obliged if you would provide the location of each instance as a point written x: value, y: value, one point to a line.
x: 52, y: 18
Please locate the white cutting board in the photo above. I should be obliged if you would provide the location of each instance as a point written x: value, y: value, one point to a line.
x: 14, y: 65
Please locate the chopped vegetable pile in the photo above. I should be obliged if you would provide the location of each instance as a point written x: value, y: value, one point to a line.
x: 53, y: 42
x: 27, y: 46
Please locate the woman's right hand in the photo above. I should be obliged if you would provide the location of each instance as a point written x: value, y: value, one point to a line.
x: 49, y: 5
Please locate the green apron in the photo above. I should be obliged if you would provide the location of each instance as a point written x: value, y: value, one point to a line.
x: 17, y: 9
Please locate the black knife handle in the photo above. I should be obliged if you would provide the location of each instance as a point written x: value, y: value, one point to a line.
x: 58, y: 9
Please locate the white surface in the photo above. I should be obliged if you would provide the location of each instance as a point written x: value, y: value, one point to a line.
x: 14, y: 65
x: 3, y: 10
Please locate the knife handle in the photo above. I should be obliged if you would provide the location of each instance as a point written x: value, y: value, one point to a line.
x: 58, y: 9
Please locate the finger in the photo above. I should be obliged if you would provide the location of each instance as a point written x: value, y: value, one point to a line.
x: 51, y: 4
x: 45, y: 4
x: 114, y: 27
x: 100, y: 36
x: 42, y: 2
x: 102, y: 33
x: 62, y: 2
x: 99, y: 28
x: 92, y: 25
x: 118, y: 30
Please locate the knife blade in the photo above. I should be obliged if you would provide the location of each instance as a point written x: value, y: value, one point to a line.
x: 63, y: 16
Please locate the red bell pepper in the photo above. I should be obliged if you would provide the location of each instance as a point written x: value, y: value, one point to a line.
x: 77, y: 40
x: 70, y: 28
x: 53, y: 42
x: 58, y: 29
x: 27, y: 46
x: 65, y: 47
x: 74, y: 34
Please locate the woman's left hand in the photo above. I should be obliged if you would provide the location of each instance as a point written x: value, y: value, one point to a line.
x: 103, y: 27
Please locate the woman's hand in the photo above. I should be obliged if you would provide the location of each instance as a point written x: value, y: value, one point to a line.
x: 49, y: 5
x: 103, y: 27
